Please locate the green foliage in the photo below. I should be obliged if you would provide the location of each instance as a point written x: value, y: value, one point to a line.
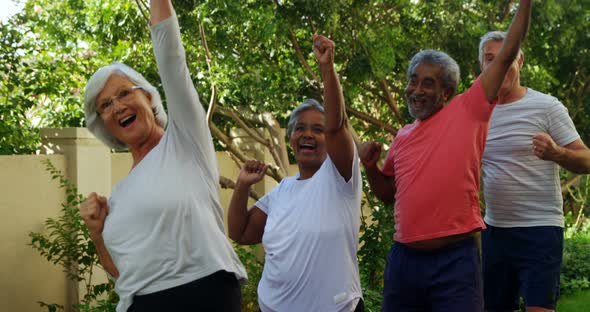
x: 17, y: 134
x: 556, y: 54
x: 576, y: 202
x: 575, y: 274
x: 67, y: 244
x: 254, y: 265
x: 375, y: 242
x: 577, y: 302
x: 51, y: 307
x: 575, y: 269
x: 51, y: 48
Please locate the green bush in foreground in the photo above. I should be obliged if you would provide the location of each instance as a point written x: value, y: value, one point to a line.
x: 67, y: 243
x: 575, y: 269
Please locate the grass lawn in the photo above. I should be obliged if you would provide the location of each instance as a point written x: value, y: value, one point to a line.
x: 577, y: 302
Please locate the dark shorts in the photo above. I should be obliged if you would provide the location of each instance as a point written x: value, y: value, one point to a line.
x: 218, y: 292
x: 521, y: 261
x: 446, y: 279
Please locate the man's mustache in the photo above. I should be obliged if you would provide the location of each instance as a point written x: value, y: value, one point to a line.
x: 413, y: 97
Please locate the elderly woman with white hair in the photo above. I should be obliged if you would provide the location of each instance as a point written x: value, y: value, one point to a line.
x: 308, y: 224
x: 160, y: 234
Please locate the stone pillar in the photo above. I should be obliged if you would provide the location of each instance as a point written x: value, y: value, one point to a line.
x: 88, y: 163
x: 88, y: 160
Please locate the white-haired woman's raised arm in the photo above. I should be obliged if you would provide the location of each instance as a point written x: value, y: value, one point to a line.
x: 185, y: 112
x: 160, y: 10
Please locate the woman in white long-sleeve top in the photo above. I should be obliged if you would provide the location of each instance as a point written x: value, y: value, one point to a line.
x: 309, y: 223
x: 160, y: 234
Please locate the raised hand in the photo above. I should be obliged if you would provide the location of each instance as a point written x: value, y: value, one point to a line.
x: 323, y: 48
x: 545, y: 148
x: 94, y: 211
x: 369, y: 153
x: 252, y: 172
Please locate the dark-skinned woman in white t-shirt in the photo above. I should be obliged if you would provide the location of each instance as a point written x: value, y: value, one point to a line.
x: 309, y: 223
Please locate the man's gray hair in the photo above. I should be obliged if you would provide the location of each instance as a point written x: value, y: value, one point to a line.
x: 450, y: 70
x: 491, y: 36
x: 305, y: 105
x: 95, y: 85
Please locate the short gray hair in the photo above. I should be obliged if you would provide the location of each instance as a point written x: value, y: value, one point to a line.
x: 450, y: 70
x: 305, y: 105
x: 491, y: 36
x: 95, y: 85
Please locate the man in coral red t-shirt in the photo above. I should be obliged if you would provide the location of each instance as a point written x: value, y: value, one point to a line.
x: 432, y: 173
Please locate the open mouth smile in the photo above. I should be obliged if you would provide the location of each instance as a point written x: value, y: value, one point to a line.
x: 307, y: 147
x: 127, y: 121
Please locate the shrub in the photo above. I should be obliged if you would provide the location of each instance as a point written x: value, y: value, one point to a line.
x: 575, y: 270
x: 254, y: 266
x: 376, y: 239
x: 68, y: 245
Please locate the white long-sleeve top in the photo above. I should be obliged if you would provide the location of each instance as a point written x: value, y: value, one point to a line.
x: 165, y: 224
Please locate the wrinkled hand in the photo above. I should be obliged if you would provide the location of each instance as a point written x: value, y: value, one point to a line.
x: 252, y: 172
x: 369, y: 153
x: 94, y: 211
x: 545, y: 148
x: 323, y: 48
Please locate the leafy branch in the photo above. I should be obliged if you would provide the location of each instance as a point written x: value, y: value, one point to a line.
x: 67, y: 244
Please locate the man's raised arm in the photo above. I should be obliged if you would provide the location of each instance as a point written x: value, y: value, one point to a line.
x: 493, y: 75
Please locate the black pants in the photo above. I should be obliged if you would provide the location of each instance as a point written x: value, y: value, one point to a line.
x: 218, y: 292
x: 360, y: 307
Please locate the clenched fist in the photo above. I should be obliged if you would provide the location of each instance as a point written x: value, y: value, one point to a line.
x: 94, y: 211
x: 545, y: 148
x: 252, y: 172
x: 323, y: 48
x: 369, y: 153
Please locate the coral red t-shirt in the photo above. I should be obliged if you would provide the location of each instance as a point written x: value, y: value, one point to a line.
x: 436, y: 165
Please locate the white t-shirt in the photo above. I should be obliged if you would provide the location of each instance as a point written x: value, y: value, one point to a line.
x: 310, y: 240
x: 520, y: 189
x: 165, y: 224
